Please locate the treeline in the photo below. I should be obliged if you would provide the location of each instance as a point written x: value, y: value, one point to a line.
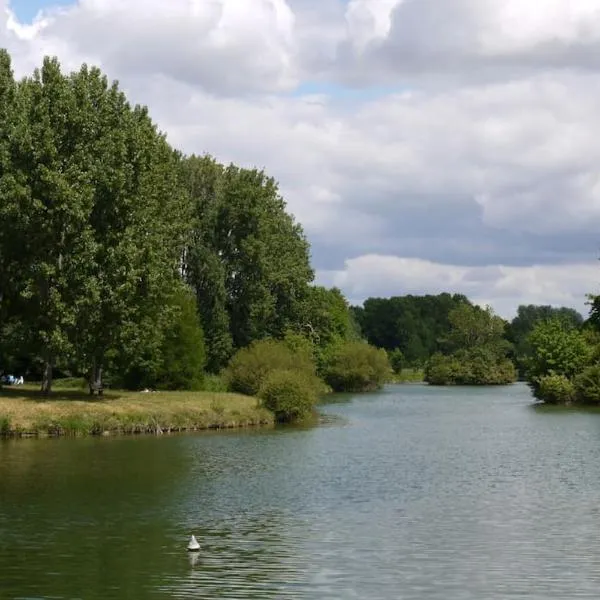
x: 123, y: 260
x: 456, y: 342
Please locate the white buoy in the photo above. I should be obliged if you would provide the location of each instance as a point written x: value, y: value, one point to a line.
x: 193, y: 545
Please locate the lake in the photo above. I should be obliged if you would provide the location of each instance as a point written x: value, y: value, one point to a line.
x: 412, y: 493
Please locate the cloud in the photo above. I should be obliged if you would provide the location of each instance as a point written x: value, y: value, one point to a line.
x: 464, y: 40
x: 461, y: 132
x: 502, y: 287
x: 220, y: 46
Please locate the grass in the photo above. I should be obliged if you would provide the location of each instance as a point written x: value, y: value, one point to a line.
x: 25, y: 412
x: 409, y: 376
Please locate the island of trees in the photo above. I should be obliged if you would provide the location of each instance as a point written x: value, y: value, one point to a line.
x: 457, y: 343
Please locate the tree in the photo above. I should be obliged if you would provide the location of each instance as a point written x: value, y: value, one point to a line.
x: 10, y: 275
x: 472, y: 326
x: 557, y: 348
x: 179, y: 362
x: 413, y: 324
x: 356, y: 367
x: 527, y: 318
x: 94, y: 195
x: 138, y: 222
x: 247, y: 260
x: 476, y: 350
x: 54, y: 202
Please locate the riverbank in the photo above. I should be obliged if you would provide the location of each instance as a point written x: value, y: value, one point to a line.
x: 409, y: 376
x: 24, y: 412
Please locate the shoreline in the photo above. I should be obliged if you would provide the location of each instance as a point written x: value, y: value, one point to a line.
x: 25, y: 413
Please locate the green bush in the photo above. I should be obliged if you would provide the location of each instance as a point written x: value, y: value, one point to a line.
x: 356, y: 367
x: 290, y: 395
x: 587, y: 385
x: 396, y: 359
x: 557, y: 348
x: 443, y: 370
x: 554, y: 389
x: 476, y: 367
x: 250, y: 366
x: 214, y: 383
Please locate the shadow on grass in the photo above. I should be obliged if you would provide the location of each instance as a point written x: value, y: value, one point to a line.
x: 34, y: 395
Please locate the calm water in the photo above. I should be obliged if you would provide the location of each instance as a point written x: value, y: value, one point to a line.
x: 413, y: 493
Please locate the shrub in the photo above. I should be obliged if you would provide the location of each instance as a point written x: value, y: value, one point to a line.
x: 554, y: 389
x: 250, y: 366
x: 443, y: 370
x: 396, y: 360
x: 476, y: 367
x: 356, y: 367
x: 587, y: 385
x: 290, y: 395
x: 214, y: 383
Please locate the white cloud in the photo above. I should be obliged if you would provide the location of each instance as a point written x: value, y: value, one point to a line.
x: 486, y: 154
x: 502, y: 287
x: 221, y: 46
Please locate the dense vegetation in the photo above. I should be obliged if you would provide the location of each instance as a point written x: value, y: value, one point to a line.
x: 124, y: 262
x: 476, y: 350
x: 413, y: 325
x: 459, y: 343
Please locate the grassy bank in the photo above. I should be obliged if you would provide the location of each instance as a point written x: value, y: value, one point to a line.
x: 24, y: 412
x: 409, y: 376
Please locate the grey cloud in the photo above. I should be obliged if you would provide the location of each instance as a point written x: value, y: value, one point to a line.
x: 442, y: 43
x: 487, y: 160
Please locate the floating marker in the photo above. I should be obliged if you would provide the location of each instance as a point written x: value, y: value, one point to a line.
x: 193, y: 545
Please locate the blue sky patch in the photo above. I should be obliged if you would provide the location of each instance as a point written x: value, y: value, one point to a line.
x: 359, y: 94
x: 26, y: 10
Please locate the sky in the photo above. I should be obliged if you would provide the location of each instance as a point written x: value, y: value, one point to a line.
x: 425, y: 146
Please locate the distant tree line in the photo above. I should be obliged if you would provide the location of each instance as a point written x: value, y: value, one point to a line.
x: 123, y: 260
x: 456, y: 342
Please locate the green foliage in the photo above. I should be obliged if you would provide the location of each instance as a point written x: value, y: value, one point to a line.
x: 475, y: 327
x: 250, y: 366
x: 356, y: 367
x: 290, y: 395
x: 413, y: 324
x: 409, y: 375
x: 560, y: 351
x: 183, y: 351
x: 556, y: 348
x: 477, y: 351
x: 523, y: 324
x: 90, y: 192
x: 586, y: 385
x: 555, y: 389
x: 247, y: 259
x: 300, y: 345
x: 443, y: 370
x: 469, y: 368
x: 214, y: 383
x: 397, y: 360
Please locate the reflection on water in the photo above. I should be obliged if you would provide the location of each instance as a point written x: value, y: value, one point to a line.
x: 415, y: 493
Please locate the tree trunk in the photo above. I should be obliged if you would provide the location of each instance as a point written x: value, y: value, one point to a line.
x: 47, y: 378
x: 95, y: 378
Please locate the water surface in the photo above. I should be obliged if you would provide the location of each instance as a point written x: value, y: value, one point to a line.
x: 414, y: 493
